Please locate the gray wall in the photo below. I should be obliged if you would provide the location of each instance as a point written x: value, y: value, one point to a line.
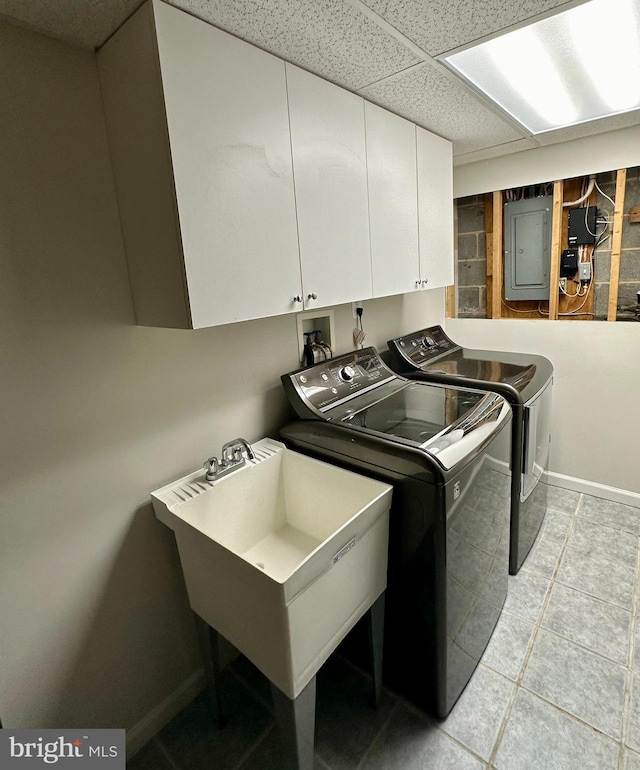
x: 96, y: 413
x: 594, y: 421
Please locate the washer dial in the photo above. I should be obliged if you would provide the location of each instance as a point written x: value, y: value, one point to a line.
x: 347, y: 373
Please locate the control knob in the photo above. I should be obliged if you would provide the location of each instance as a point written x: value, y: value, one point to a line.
x: 347, y: 373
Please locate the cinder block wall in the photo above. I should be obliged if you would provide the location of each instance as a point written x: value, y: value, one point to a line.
x: 472, y: 260
x: 630, y: 252
x: 471, y: 284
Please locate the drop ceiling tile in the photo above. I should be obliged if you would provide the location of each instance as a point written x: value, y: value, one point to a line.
x: 328, y: 37
x: 430, y: 97
x: 437, y: 26
x: 86, y: 23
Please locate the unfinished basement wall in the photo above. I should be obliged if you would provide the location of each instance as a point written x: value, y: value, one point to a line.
x: 471, y: 282
x: 629, y: 275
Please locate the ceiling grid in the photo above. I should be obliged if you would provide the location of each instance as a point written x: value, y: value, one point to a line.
x: 383, y: 50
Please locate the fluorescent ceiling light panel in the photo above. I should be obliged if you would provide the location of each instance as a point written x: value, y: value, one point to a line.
x: 576, y: 66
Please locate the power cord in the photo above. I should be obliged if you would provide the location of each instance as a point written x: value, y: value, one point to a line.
x: 359, y: 333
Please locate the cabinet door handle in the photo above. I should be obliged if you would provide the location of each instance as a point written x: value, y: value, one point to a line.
x: 417, y: 284
x: 313, y: 295
x: 297, y: 298
x: 425, y: 282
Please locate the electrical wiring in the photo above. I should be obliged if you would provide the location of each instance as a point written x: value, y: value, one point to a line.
x: 575, y: 310
x: 604, y: 194
x: 515, y: 310
x: 577, y: 293
x: 586, y: 253
x: 585, y: 195
x: 586, y: 223
x: 585, y: 294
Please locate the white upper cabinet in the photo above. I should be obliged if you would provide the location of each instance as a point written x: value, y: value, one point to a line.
x: 393, y: 210
x: 330, y: 171
x: 248, y: 187
x: 199, y: 130
x: 435, y: 209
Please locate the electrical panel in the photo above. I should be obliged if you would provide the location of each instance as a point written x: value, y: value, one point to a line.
x: 582, y: 226
x: 527, y: 248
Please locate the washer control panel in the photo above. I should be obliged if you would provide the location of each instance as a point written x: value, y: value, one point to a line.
x: 330, y: 382
x: 422, y: 346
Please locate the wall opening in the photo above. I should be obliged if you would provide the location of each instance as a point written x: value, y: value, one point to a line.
x: 606, y: 280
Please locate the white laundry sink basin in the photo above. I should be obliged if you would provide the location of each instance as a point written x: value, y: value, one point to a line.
x: 282, y: 556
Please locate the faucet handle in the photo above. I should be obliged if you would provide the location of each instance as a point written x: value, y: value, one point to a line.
x: 211, y: 468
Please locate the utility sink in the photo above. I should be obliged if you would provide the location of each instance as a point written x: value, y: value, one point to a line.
x: 282, y: 556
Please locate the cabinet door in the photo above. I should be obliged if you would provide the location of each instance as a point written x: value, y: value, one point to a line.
x: 329, y: 162
x: 393, y: 203
x: 228, y: 124
x: 435, y: 209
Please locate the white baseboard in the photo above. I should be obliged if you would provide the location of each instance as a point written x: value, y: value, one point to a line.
x: 592, y: 488
x: 141, y: 733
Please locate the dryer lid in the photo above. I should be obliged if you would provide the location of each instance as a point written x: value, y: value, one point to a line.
x: 519, y: 377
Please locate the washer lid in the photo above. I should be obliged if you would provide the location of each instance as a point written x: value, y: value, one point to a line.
x: 450, y: 424
x: 359, y: 392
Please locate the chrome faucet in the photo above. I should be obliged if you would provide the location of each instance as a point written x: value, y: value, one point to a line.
x: 232, y: 457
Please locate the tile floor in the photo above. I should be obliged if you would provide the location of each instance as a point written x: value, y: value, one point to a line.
x: 558, y: 686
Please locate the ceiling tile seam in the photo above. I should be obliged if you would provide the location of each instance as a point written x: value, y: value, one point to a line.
x: 484, y: 101
x: 391, y: 76
x: 385, y: 26
x: 428, y: 59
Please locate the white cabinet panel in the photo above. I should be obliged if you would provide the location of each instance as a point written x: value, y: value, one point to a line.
x: 227, y: 117
x: 329, y: 162
x: 393, y: 210
x: 248, y: 187
x: 198, y: 125
x: 435, y: 209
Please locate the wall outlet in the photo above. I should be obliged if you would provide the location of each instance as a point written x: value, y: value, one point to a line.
x: 354, y: 308
x: 562, y: 284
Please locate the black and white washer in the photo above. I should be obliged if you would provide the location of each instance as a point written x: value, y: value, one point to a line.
x: 446, y: 451
x: 525, y: 381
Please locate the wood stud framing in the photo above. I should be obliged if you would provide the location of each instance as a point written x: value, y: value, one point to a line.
x: 616, y: 244
x: 556, y: 246
x: 496, y: 257
x: 559, y: 306
x: 450, y: 302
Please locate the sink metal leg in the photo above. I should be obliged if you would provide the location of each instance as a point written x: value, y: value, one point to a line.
x: 210, y: 644
x: 375, y: 621
x: 215, y: 691
x: 296, y: 722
